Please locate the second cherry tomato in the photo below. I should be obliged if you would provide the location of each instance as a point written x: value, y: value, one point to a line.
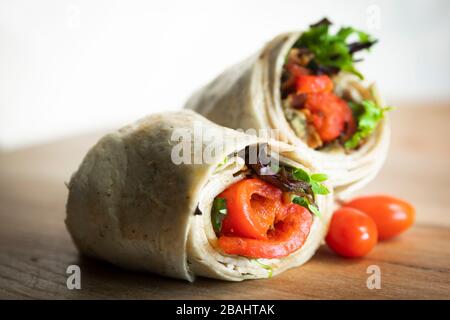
x: 391, y: 215
x: 352, y: 233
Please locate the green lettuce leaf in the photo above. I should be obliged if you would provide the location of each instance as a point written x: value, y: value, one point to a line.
x: 332, y: 52
x: 218, y: 213
x: 368, y: 115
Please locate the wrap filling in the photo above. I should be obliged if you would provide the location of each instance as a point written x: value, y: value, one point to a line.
x: 319, y: 112
x: 267, y: 214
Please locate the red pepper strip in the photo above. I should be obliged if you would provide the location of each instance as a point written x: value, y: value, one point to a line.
x: 314, y: 84
x: 331, y: 116
x: 288, y: 236
x: 258, y: 224
x: 252, y: 206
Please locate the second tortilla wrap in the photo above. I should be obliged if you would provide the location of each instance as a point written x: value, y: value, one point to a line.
x: 247, y: 96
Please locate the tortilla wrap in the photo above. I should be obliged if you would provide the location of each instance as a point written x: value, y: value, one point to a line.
x: 131, y: 205
x: 247, y: 96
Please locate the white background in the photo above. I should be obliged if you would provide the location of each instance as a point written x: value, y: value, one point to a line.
x: 68, y: 67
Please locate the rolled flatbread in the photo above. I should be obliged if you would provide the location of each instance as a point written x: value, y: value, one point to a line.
x: 135, y: 204
x: 247, y: 96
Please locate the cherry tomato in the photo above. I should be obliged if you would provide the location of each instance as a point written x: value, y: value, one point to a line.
x: 391, y: 215
x: 352, y: 233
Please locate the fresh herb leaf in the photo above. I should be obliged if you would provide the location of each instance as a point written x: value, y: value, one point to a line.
x: 218, y: 213
x: 301, y: 201
x: 315, y: 210
x: 319, y: 188
x: 319, y: 177
x: 301, y: 174
x: 265, y: 266
x: 304, y: 202
x: 331, y: 51
x: 368, y: 115
x: 314, y: 180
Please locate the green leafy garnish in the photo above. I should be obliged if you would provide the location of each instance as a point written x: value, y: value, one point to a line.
x: 301, y: 174
x: 265, y: 266
x: 368, y: 114
x: 319, y: 177
x: 332, y: 52
x: 314, y: 180
x: 304, y: 202
x: 218, y: 213
x: 319, y: 188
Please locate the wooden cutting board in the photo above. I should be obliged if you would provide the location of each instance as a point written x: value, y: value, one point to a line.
x: 35, y: 248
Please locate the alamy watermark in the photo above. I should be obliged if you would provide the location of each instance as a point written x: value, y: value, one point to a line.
x: 207, y: 145
x: 373, y: 21
x: 374, y: 280
x: 74, y: 279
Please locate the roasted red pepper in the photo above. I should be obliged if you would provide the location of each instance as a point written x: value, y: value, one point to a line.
x: 258, y: 224
x: 314, y: 84
x: 331, y: 115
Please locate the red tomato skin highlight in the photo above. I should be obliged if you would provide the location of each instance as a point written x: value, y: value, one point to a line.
x: 352, y: 233
x: 392, y: 216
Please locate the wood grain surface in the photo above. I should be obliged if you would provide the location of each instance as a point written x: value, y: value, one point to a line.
x: 35, y: 248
